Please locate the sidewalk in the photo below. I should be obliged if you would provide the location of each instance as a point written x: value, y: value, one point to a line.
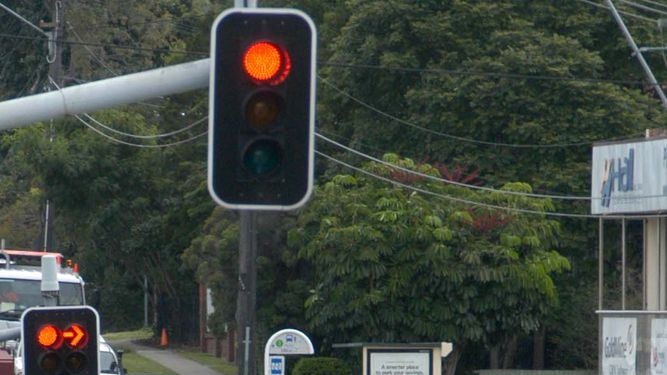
x: 171, y: 360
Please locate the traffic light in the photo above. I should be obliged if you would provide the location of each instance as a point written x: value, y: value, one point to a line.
x: 60, y: 341
x: 261, y: 109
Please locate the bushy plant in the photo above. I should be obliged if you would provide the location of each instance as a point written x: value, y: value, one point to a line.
x: 321, y: 366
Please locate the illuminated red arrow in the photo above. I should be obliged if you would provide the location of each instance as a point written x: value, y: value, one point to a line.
x: 75, y: 335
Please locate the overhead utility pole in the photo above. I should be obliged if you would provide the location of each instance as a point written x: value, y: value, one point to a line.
x: 55, y: 60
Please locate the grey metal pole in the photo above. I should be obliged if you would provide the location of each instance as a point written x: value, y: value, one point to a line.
x: 640, y: 57
x: 247, y: 293
x: 145, y: 301
x: 623, y: 263
x: 106, y: 93
x: 600, y: 263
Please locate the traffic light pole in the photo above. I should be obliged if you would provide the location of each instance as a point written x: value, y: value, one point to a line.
x: 246, y: 304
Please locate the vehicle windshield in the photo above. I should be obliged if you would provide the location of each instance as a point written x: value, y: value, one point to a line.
x: 108, y: 363
x: 18, y: 295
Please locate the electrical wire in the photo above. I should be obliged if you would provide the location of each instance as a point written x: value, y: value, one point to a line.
x: 447, y: 135
x: 459, y: 72
x: 33, y: 26
x: 480, y: 204
x: 632, y: 15
x: 157, y: 136
x: 464, y: 185
x: 140, y: 49
x: 643, y: 7
x: 446, y: 181
x: 655, y: 3
x: 119, y: 141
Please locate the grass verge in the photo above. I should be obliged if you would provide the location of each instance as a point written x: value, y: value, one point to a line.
x: 138, y: 365
x: 140, y: 334
x: 209, y: 360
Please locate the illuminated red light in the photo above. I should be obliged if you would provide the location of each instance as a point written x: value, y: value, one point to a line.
x: 76, y: 336
x: 266, y: 62
x: 49, y: 336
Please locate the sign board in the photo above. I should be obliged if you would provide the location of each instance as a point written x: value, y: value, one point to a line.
x: 658, y: 360
x: 277, y: 364
x: 400, y: 362
x: 629, y: 177
x: 289, y: 341
x: 281, y: 343
x: 619, y: 351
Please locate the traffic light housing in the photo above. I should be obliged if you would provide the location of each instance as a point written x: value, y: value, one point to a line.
x: 261, y: 109
x: 60, y: 340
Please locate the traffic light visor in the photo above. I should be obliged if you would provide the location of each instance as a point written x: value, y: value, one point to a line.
x: 265, y: 62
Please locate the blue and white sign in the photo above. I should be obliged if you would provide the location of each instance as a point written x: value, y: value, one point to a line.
x: 285, y: 342
x: 629, y: 177
x: 277, y: 364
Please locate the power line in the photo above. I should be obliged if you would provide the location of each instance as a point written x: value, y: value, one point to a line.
x: 446, y: 181
x: 156, y: 136
x: 632, y: 15
x: 134, y: 135
x: 72, y: 42
x: 461, y: 72
x: 119, y: 141
x: 655, y: 3
x: 476, y: 203
x: 643, y: 7
x: 33, y: 26
x: 447, y: 135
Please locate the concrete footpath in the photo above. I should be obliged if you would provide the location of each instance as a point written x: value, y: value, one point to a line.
x: 170, y: 359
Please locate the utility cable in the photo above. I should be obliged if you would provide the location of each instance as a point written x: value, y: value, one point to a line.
x: 116, y: 140
x: 33, y: 26
x: 153, y: 50
x: 190, y: 126
x: 643, y: 7
x: 447, y: 135
x: 464, y: 185
x: 632, y: 15
x: 157, y: 136
x: 655, y: 3
x: 461, y: 72
x: 480, y: 204
x: 451, y: 182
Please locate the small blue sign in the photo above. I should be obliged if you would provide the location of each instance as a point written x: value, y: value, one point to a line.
x: 277, y: 365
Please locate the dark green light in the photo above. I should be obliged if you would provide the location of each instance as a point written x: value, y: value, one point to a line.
x: 262, y: 157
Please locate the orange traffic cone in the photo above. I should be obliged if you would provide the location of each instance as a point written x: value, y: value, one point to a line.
x: 164, y: 340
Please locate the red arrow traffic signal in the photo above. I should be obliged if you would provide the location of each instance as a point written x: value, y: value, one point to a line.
x: 75, y: 336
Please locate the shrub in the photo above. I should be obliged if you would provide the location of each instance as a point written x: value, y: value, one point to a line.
x: 321, y: 366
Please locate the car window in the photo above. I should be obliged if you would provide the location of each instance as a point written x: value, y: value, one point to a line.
x: 108, y: 363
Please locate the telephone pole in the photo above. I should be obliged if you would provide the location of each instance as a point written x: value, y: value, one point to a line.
x: 55, y: 30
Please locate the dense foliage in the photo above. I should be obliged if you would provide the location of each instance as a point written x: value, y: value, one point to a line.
x: 320, y: 366
x: 505, y: 95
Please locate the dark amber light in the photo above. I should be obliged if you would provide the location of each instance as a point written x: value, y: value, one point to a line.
x: 262, y: 109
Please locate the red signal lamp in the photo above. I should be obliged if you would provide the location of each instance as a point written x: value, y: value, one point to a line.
x: 75, y: 336
x: 265, y: 62
x: 49, y: 336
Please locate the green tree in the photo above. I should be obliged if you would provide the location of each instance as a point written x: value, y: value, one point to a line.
x: 393, y: 265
